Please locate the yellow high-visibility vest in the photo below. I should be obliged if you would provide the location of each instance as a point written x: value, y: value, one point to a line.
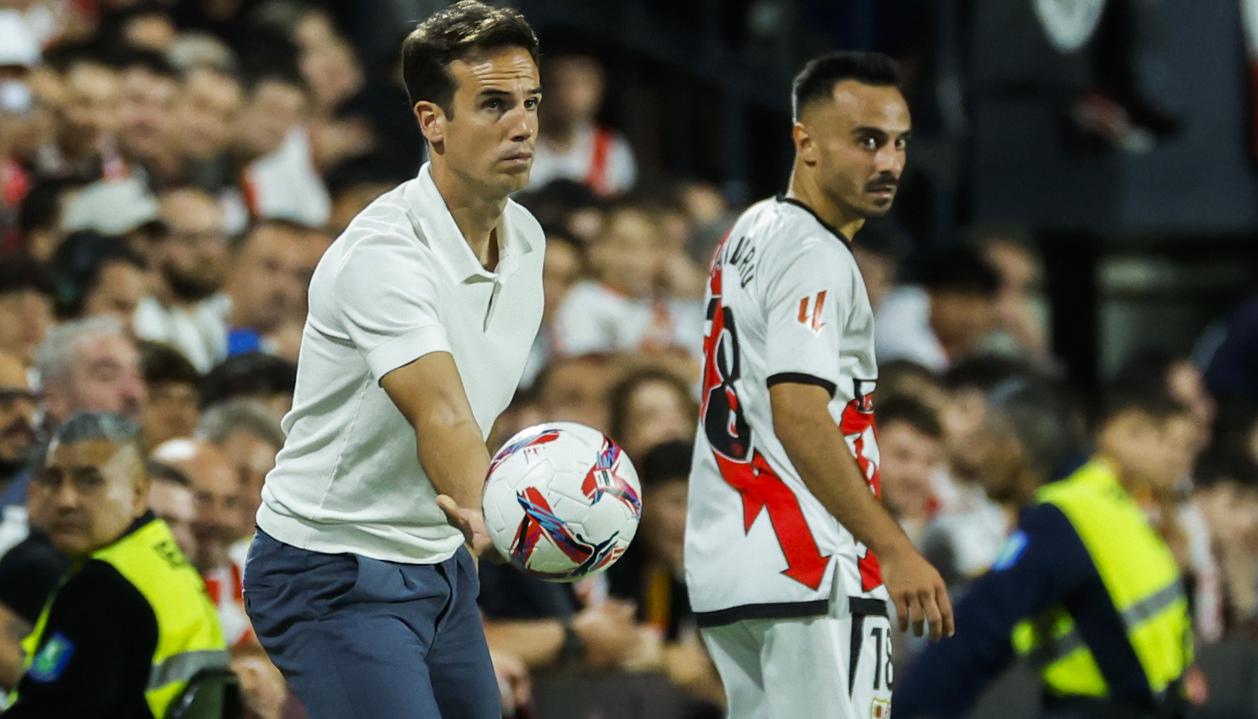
x: 1142, y: 580
x: 189, y: 638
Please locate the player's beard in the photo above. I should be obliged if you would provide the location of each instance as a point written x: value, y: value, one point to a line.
x: 189, y: 286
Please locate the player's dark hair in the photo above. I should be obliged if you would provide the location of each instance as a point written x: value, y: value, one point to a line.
x: 465, y: 27
x: 912, y: 411
x: 667, y: 461
x: 818, y: 78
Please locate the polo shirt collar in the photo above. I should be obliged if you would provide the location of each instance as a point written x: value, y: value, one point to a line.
x: 430, y: 214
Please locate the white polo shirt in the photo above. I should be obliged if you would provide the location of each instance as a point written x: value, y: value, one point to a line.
x: 399, y: 283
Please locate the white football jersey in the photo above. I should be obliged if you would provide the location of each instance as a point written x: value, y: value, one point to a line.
x: 785, y: 303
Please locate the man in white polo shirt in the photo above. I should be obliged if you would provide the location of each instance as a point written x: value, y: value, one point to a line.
x: 421, y: 316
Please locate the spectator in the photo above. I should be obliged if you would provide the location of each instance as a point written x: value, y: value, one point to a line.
x: 910, y: 445
x: 1158, y: 371
x: 651, y: 575
x: 620, y: 310
x: 563, y: 267
x: 147, y: 99
x: 40, y: 217
x: 99, y: 275
x: 172, y: 383
x: 27, y: 296
x: 574, y: 389
x: 171, y: 498
x: 943, y: 320
x: 265, y: 379
x: 86, y: 122
x: 191, y: 266
x: 217, y: 488
x: 130, y: 603
x: 18, y: 436
x: 248, y: 434
x: 90, y: 365
x: 280, y: 178
x: 650, y: 407
x: 118, y: 208
x: 210, y: 103
x: 1022, y: 323
x: 115, y: 285
x: 26, y: 303
x: 572, y: 145
x: 965, y: 535
x: 267, y: 286
x: 879, y: 248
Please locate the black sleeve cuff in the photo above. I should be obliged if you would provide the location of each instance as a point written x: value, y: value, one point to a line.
x: 801, y: 378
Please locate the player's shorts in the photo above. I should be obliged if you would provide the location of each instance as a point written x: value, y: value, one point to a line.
x: 836, y: 665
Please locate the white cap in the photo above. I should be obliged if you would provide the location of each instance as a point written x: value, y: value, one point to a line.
x: 17, y: 43
x: 111, y: 207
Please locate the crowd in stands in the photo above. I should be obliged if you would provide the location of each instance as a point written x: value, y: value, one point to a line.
x: 171, y: 173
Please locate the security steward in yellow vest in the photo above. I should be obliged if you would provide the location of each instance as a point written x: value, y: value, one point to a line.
x: 130, y: 623
x: 1085, y: 588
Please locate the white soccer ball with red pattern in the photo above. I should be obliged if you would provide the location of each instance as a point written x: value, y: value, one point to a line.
x: 562, y: 501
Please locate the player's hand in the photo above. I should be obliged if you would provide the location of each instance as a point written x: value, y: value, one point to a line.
x: 920, y: 597
x: 470, y: 522
x: 609, y: 632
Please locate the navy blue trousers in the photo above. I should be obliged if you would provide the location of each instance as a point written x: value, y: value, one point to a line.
x: 361, y: 637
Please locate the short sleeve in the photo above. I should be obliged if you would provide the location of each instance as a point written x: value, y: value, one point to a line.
x: 388, y: 303
x: 804, y: 298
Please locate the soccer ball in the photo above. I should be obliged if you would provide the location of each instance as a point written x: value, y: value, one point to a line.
x: 562, y: 501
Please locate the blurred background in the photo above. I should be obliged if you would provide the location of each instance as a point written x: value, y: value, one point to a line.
x: 1078, y: 210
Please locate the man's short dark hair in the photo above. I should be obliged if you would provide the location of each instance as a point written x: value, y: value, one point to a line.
x: 18, y: 274
x: 80, y: 262
x: 818, y: 78
x: 162, y: 364
x: 1157, y: 406
x: 246, y: 375
x: 960, y: 269
x: 465, y: 27
x: 1042, y: 417
x: 912, y: 411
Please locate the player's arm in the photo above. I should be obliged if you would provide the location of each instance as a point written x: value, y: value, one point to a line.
x: 430, y: 394
x: 808, y: 294
x: 802, y: 422
x: 387, y: 299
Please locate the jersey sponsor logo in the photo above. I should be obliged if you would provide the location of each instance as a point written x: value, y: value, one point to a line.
x: 53, y: 658
x: 880, y: 709
x: 860, y: 432
x: 810, y: 309
x: 741, y: 466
